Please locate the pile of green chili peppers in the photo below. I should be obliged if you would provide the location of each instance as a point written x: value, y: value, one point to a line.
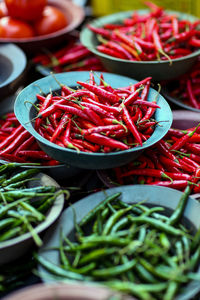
x: 132, y: 248
x: 22, y: 208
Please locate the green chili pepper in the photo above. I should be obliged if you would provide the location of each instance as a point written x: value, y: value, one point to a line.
x: 178, y: 212
x: 101, y: 205
x: 114, y: 271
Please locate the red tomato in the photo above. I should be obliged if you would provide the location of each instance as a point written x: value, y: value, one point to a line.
x: 26, y: 10
x: 3, y: 10
x: 12, y: 28
x: 52, y: 20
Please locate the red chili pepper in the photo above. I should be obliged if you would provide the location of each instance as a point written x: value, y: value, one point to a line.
x: 194, y: 42
x: 100, y: 92
x: 194, y: 148
x: 181, y: 141
x: 15, y: 143
x: 146, y: 103
x: 192, y: 98
x: 143, y: 43
x: 175, y: 184
x: 116, y: 46
x: 11, y: 137
x: 110, y: 52
x: 180, y: 51
x: 108, y: 108
x: 12, y: 158
x: 93, y: 116
x: 132, y: 51
x: 66, y: 137
x: 73, y: 57
x: 190, y: 161
x: 131, y: 126
x: 164, y: 149
x: 103, y: 129
x: 130, y: 42
x: 158, y: 44
x: 39, y: 154
x: 97, y: 109
x: 183, y: 36
x: 132, y: 97
x: 175, y: 26
x: 104, y: 32
x: 47, y: 102
x: 25, y: 145
x: 106, y: 141
x: 60, y: 127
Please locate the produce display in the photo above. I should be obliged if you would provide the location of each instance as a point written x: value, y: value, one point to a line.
x: 173, y: 162
x: 26, y: 19
x: 156, y: 35
x: 186, y: 88
x: 17, y: 144
x: 98, y: 118
x: 148, y: 251
x: 71, y: 57
x: 22, y: 207
x: 132, y: 248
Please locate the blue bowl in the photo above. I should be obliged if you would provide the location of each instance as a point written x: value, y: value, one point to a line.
x: 25, y: 113
x: 152, y: 195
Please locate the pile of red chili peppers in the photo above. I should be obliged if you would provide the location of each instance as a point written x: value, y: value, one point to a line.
x: 173, y: 162
x: 187, y: 87
x: 97, y: 117
x: 17, y: 144
x: 156, y: 35
x: 71, y: 57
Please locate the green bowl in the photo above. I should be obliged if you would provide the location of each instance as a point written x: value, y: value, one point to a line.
x: 25, y: 113
x: 158, y: 70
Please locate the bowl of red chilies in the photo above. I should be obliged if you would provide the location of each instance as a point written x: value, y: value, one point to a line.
x: 19, y: 146
x: 158, y: 43
x: 173, y: 162
x: 184, y: 91
x: 97, y: 125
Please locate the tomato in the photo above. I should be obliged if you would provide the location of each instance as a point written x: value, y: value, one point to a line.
x: 52, y: 20
x: 3, y: 10
x: 26, y: 10
x: 13, y: 28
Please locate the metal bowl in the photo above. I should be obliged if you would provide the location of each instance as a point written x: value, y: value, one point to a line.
x: 18, y: 246
x: 74, y: 14
x: 153, y: 195
x: 65, y: 291
x: 12, y: 69
x: 158, y: 70
x: 25, y: 113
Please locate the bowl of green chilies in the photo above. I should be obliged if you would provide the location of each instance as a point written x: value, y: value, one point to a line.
x: 139, y: 240
x: 30, y: 202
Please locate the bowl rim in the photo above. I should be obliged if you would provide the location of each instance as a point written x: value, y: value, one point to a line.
x: 51, y: 216
x: 77, y: 19
x: 11, y: 51
x: 68, y: 290
x: 48, y: 79
x: 178, y: 102
x: 101, y: 20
